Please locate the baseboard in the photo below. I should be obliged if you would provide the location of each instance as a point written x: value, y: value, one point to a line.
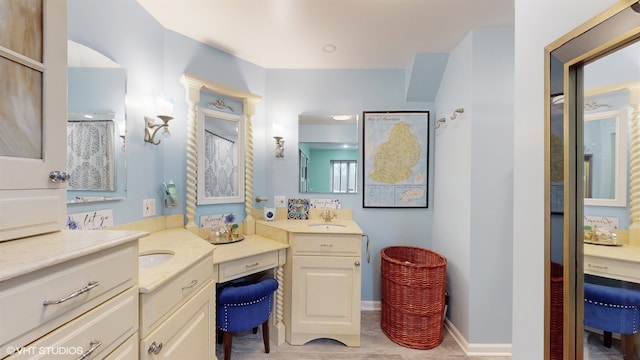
x: 476, y: 349
x: 370, y: 305
x: 498, y: 350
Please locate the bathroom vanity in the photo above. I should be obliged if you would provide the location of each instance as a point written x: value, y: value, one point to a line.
x: 71, y: 291
x: 322, y: 278
x: 177, y: 296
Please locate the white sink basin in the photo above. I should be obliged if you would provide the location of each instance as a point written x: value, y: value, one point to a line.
x: 150, y: 260
x: 327, y: 226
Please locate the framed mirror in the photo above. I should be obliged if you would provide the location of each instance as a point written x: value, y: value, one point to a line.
x: 605, y: 153
x: 328, y: 153
x: 221, y: 157
x: 96, y: 126
x: 197, y: 92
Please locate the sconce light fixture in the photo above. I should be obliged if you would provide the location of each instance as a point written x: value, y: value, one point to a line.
x: 165, y: 109
x: 279, y: 146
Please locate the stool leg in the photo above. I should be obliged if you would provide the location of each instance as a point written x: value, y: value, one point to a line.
x: 627, y: 347
x: 265, y: 336
x: 227, y: 345
x: 607, y: 339
x: 255, y: 330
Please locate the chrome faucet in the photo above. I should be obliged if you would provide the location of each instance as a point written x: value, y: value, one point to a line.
x: 328, y: 216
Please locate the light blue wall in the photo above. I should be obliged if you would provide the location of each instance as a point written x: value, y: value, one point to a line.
x: 473, y: 182
x: 155, y: 59
x: 291, y: 92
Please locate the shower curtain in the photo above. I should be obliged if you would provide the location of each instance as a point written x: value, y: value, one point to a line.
x: 90, y: 155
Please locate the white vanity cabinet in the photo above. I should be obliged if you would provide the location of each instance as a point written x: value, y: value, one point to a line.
x: 177, y: 317
x: 188, y: 333
x: 33, y: 136
x: 80, y: 297
x: 323, y: 292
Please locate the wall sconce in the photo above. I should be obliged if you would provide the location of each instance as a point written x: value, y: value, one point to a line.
x: 279, y: 146
x: 165, y: 109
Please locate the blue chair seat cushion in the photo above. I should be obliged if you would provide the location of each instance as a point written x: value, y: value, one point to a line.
x: 244, y: 306
x: 611, y: 309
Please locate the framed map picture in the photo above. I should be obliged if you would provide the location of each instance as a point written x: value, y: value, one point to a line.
x: 395, y: 159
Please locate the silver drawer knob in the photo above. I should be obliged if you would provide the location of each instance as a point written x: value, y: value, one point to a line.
x: 59, y: 176
x: 356, y: 263
x: 154, y: 348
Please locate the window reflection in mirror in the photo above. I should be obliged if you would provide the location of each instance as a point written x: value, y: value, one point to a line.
x: 96, y: 127
x: 328, y: 153
x: 221, y: 157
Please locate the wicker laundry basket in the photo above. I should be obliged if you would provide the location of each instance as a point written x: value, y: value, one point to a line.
x: 555, y: 311
x: 413, y: 296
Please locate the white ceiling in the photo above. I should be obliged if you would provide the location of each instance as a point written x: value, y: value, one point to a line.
x: 291, y: 34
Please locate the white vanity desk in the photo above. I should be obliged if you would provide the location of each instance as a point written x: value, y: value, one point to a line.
x: 181, y: 289
x: 615, y: 262
x: 322, y: 277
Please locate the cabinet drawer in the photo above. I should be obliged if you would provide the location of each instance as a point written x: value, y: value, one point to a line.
x: 157, y: 305
x: 102, y: 329
x: 610, y: 268
x: 334, y: 244
x: 127, y: 350
x: 189, y: 333
x: 249, y: 265
x: 71, y: 288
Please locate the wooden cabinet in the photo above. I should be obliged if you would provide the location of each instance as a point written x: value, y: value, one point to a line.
x: 80, y: 303
x: 188, y: 333
x: 98, y: 332
x: 177, y: 320
x: 323, y: 294
x: 33, y: 106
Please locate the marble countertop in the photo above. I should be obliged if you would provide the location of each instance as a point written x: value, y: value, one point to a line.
x: 187, y: 248
x: 623, y: 253
x: 309, y: 226
x: 251, y: 245
x: 22, y: 256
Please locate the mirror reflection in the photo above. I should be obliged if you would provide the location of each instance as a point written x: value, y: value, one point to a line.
x: 605, y: 154
x: 96, y: 126
x: 221, y: 168
x: 328, y: 153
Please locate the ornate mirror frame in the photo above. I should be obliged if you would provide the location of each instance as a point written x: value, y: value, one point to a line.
x: 193, y: 85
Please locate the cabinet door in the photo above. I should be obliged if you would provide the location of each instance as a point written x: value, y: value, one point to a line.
x: 33, y: 114
x: 326, y: 295
x: 188, y: 334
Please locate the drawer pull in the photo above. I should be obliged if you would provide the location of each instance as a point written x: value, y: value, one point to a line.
x: 326, y: 245
x: 89, y: 286
x: 601, y: 267
x: 154, y: 348
x: 192, y: 284
x: 252, y: 265
x: 94, y: 344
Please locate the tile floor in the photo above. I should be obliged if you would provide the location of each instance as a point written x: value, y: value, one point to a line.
x: 373, y: 345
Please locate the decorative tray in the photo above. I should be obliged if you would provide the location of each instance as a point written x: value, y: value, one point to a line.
x: 603, y: 242
x: 227, y: 241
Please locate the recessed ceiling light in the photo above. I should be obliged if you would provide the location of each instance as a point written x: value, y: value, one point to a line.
x: 329, y: 48
x: 341, y: 117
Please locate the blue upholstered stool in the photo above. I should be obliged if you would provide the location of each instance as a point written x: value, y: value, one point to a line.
x: 244, y: 306
x: 613, y: 310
